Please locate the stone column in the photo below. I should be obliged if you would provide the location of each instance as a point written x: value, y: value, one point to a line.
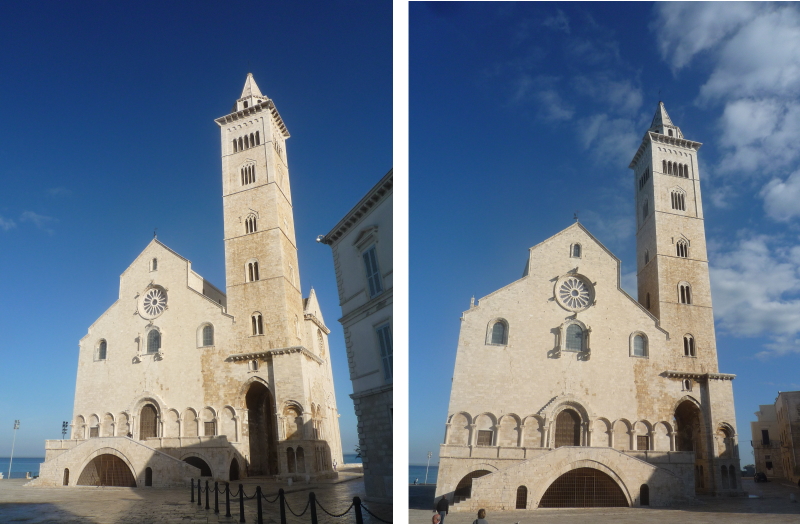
x: 672, y: 441
x: 446, y: 433
x: 521, y: 436
x: 589, y: 438
x: 473, y: 435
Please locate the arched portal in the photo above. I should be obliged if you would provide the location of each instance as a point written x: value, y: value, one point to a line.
x: 200, y: 464
x: 148, y: 422
x: 689, y: 424
x: 464, y: 488
x: 66, y: 476
x: 584, y: 488
x: 234, y: 471
x: 107, y: 470
x: 568, y: 429
x: 262, y: 431
x: 522, y: 497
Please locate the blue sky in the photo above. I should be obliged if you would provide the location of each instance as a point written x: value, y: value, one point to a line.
x: 522, y: 114
x: 109, y: 133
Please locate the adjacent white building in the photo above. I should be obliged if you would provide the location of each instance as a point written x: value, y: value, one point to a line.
x: 362, y: 257
x: 179, y: 379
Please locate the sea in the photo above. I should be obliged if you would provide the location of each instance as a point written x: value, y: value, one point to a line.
x: 351, y: 458
x: 418, y: 472
x: 20, y: 466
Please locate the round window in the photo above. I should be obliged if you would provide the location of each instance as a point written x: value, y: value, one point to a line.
x: 153, y: 303
x: 574, y: 292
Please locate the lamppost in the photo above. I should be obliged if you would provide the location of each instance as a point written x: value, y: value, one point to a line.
x: 64, y: 426
x: 16, y: 427
x: 426, y: 467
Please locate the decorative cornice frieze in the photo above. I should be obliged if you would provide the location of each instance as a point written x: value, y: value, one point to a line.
x: 317, y: 322
x: 662, y: 139
x: 262, y: 355
x: 699, y: 376
x: 257, y: 108
x: 375, y: 195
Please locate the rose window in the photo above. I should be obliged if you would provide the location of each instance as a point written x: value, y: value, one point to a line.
x: 574, y: 293
x: 154, y: 302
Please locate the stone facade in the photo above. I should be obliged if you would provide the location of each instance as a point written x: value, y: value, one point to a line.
x: 362, y: 257
x: 780, y: 445
x: 237, y: 383
x: 562, y: 375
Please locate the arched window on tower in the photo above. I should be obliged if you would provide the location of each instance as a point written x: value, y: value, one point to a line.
x: 680, y: 170
x: 250, y: 224
x: 235, y: 146
x: 258, y: 139
x: 685, y: 170
x: 246, y: 142
x: 101, y: 350
x: 241, y: 144
x: 685, y: 293
x: 252, y: 271
x: 682, y: 248
x: 663, y: 166
x: 678, y: 200
x: 669, y: 131
x: 646, y: 257
x: 645, y: 209
x: 647, y: 301
x: 258, y: 324
x: 688, y: 346
x: 252, y: 140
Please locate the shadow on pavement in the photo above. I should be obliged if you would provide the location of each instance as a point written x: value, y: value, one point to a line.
x: 421, y: 497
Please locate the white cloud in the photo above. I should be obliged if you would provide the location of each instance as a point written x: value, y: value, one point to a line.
x: 7, y: 223
x: 685, y: 29
x: 559, y: 22
x: 756, y: 287
x: 40, y: 221
x: 552, y: 107
x: 621, y: 95
x: 630, y: 284
x: 609, y: 139
x: 782, y: 197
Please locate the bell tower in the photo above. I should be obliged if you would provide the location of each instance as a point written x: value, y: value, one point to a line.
x: 672, y: 264
x: 262, y: 277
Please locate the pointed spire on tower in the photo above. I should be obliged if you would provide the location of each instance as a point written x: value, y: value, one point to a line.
x: 250, y: 87
x: 663, y: 124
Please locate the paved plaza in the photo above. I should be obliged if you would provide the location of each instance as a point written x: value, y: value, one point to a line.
x: 103, y: 505
x: 767, y: 503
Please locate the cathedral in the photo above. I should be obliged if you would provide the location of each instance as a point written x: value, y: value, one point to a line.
x: 178, y: 379
x: 568, y: 392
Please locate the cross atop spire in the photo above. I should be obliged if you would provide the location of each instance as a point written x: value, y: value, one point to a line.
x: 250, y: 87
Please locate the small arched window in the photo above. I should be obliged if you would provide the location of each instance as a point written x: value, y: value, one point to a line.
x: 685, y: 171
x: 644, y: 495
x: 253, y: 365
x: 258, y: 324
x: 522, y: 497
x: 678, y: 200
x: 663, y: 166
x: 639, y: 345
x: 647, y: 301
x: 246, y: 141
x: 154, y: 264
x: 669, y: 131
x: 252, y: 271
x: 153, y: 341
x: 252, y: 140
x: 685, y: 293
x: 687, y: 384
x: 208, y: 335
x: 250, y: 224
x: 499, y: 333
x: 241, y: 144
x: 576, y: 251
x: 645, y: 210
x: 682, y: 247
x: 101, y: 350
x: 688, y: 346
x: 258, y: 139
x: 574, y: 338
x: 235, y: 146
x: 646, y: 257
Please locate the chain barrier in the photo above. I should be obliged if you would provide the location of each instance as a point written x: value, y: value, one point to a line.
x: 311, y: 504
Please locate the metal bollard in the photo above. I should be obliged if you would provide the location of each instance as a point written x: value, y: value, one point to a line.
x: 206, y: 494
x: 312, y: 502
x: 216, y: 498
x: 357, y: 505
x: 282, y: 496
x: 258, y: 504
x: 192, y: 490
x: 227, y: 499
x: 241, y: 503
x: 199, y: 496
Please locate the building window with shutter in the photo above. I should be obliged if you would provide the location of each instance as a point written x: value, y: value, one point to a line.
x: 374, y: 282
x: 385, y: 342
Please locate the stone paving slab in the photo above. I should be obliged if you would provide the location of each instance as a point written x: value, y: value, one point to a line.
x: 767, y: 503
x: 104, y: 505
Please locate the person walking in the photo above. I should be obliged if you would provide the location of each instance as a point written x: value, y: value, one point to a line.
x: 481, y: 517
x: 442, y: 508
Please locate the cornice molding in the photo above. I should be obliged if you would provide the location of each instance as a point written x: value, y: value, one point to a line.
x: 699, y: 376
x: 662, y: 139
x: 317, y: 322
x: 262, y: 355
x: 375, y: 195
x: 244, y: 113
